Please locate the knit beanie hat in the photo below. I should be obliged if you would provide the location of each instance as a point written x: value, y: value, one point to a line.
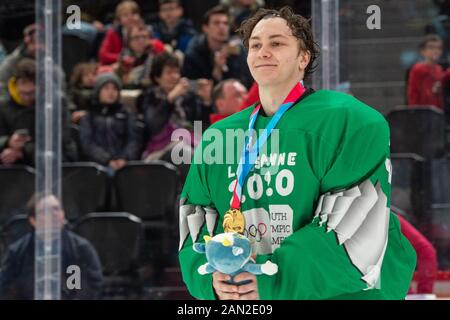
x: 103, y: 79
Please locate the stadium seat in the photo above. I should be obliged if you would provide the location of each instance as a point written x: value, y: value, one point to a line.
x: 436, y: 223
x: 15, y: 228
x: 418, y: 129
x: 85, y: 187
x: 116, y: 236
x: 148, y: 190
x: 71, y: 57
x: 16, y: 188
x: 407, y: 186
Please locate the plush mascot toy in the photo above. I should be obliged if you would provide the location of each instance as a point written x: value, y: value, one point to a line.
x: 230, y: 253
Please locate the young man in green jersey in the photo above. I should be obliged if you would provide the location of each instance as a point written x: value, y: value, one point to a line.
x: 316, y: 202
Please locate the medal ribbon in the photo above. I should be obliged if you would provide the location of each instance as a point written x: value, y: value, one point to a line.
x: 249, y: 152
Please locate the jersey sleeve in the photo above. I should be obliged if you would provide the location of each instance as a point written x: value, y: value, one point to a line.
x: 196, y: 208
x: 340, y: 252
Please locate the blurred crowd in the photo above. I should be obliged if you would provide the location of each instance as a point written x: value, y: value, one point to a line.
x: 142, y: 83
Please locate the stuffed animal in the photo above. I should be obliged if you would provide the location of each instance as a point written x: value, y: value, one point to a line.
x: 230, y: 253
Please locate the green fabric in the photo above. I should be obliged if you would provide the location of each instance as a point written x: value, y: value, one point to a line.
x: 329, y: 141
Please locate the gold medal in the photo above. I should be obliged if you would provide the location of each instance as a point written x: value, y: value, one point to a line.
x: 233, y: 221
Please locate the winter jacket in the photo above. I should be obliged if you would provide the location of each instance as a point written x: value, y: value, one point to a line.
x: 17, y: 271
x: 179, y: 37
x: 109, y: 132
x: 14, y: 116
x: 199, y: 62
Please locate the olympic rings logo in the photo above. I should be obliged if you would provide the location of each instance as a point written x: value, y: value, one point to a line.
x: 256, y: 232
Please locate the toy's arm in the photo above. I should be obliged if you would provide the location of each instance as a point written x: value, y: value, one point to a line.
x: 268, y: 268
x: 206, y: 269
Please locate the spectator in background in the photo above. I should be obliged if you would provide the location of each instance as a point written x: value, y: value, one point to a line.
x: 2, y: 52
x: 136, y: 58
x: 252, y: 96
x: 427, y: 264
x: 17, y: 271
x: 228, y: 96
x: 171, y: 104
x: 213, y: 55
x: 240, y: 10
x: 108, y: 133
x: 127, y: 15
x: 446, y: 93
x: 26, y: 50
x: 80, y: 91
x: 172, y: 29
x: 17, y: 119
x: 424, y: 81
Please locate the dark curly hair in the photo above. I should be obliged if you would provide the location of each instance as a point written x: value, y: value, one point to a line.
x: 162, y: 60
x: 300, y: 26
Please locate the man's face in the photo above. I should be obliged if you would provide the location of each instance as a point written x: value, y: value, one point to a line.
x: 26, y: 90
x: 55, y: 213
x: 218, y: 28
x: 170, y: 13
x: 30, y: 42
x: 234, y: 94
x: 246, y: 3
x: 128, y: 18
x: 139, y: 40
x: 169, y: 78
x: 273, y: 54
x: 109, y: 94
x: 432, y: 51
x: 88, y: 79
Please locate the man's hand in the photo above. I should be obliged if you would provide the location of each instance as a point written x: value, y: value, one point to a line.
x: 220, y: 57
x: 180, y: 89
x: 17, y: 141
x: 117, y: 164
x: 220, y: 63
x: 224, y: 291
x: 10, y: 156
x: 77, y: 115
x: 247, y: 291
x: 204, y: 90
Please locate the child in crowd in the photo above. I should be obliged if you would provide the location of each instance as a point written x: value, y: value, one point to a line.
x: 108, y: 132
x: 424, y: 82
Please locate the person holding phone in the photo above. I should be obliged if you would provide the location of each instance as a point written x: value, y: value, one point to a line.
x: 17, y: 119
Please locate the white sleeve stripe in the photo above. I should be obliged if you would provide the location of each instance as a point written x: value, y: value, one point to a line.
x: 195, y: 222
x: 319, y: 205
x: 211, y: 220
x: 357, y: 212
x: 192, y: 218
x: 373, y: 272
x: 341, y: 206
x: 185, y: 210
x: 366, y: 248
x: 361, y: 223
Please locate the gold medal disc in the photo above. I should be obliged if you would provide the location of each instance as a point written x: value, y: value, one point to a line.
x: 233, y: 221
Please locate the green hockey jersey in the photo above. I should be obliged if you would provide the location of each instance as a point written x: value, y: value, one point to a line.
x: 316, y: 203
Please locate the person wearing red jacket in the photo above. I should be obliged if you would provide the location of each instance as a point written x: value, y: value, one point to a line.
x: 127, y: 16
x: 252, y: 96
x: 425, y: 78
x: 426, y: 256
x: 227, y: 97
